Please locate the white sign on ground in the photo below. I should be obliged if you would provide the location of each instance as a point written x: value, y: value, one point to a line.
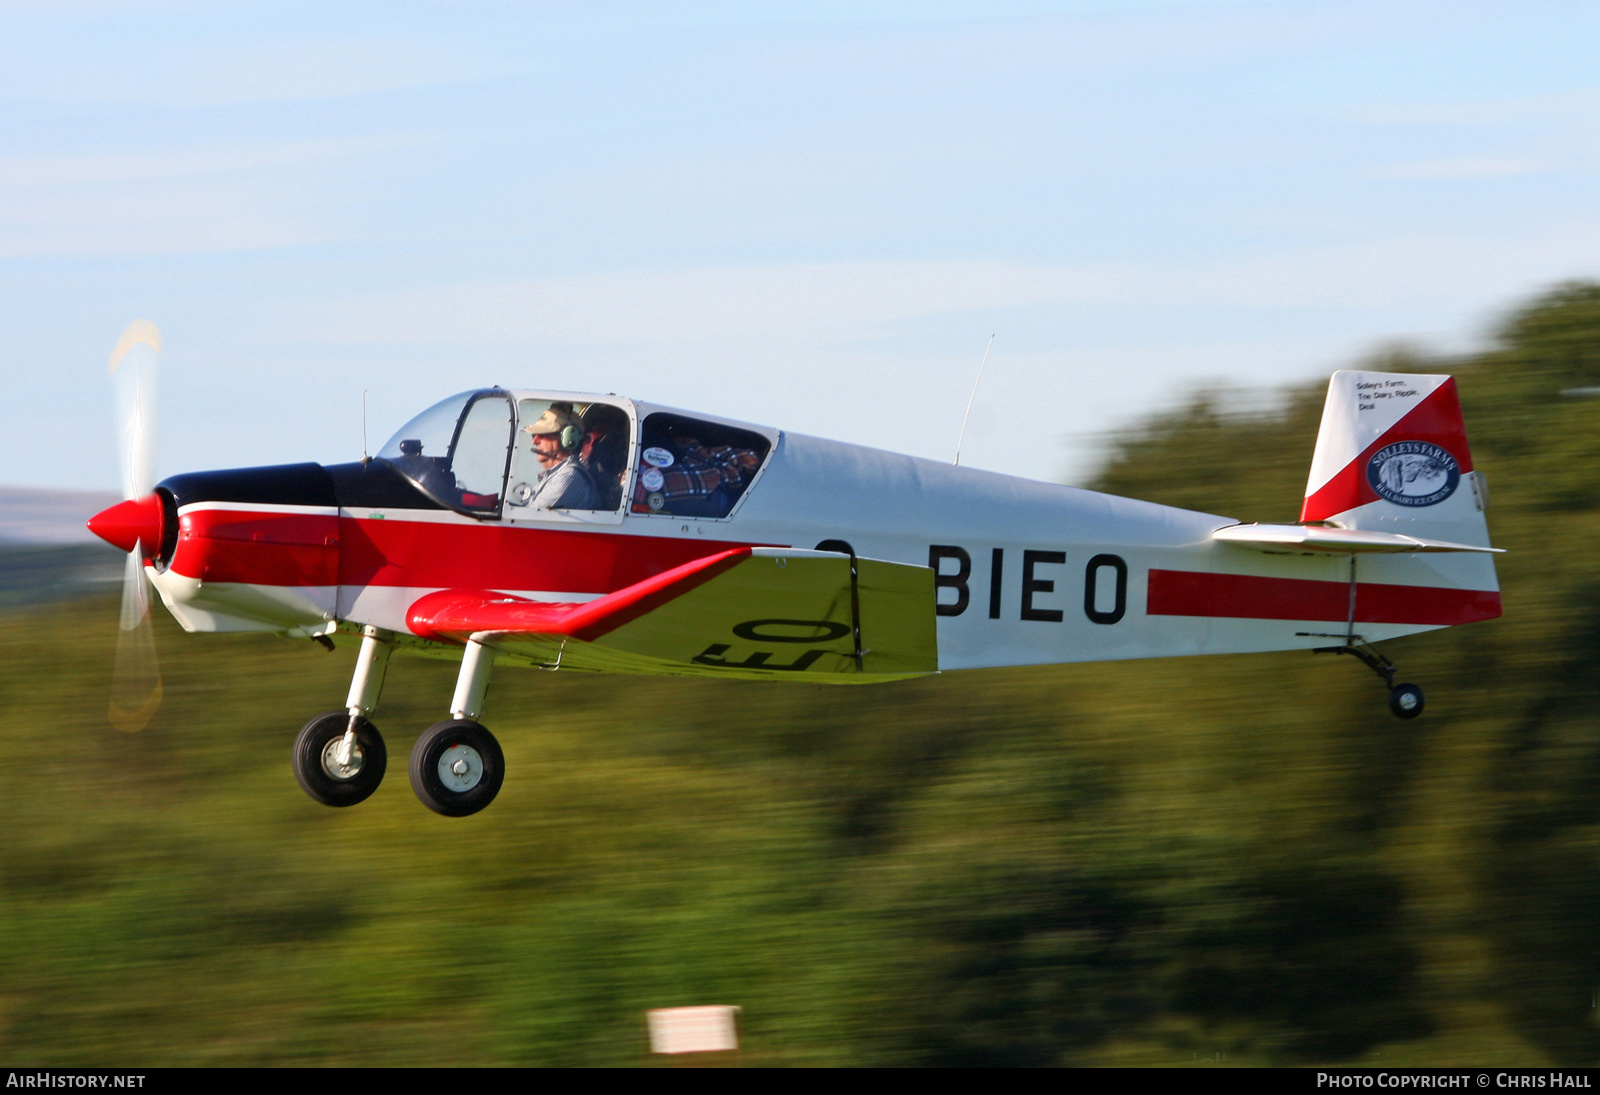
x: 693, y: 1030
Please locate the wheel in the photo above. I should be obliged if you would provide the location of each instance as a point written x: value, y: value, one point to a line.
x: 456, y: 767
x: 1406, y: 701
x: 316, y: 760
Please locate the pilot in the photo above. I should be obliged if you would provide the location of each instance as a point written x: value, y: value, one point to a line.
x: 564, y: 482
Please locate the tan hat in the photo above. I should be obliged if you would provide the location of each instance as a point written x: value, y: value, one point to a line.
x: 551, y: 421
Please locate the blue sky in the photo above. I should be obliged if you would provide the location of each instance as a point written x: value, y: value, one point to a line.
x: 806, y: 215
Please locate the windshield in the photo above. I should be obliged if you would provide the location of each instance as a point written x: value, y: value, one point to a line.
x: 456, y: 451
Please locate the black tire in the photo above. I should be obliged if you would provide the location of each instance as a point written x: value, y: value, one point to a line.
x: 1406, y: 701
x: 457, y: 767
x: 314, y: 766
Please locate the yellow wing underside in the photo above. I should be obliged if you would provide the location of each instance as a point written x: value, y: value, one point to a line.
x: 762, y: 613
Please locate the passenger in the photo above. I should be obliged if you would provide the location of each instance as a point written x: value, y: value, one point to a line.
x: 605, y: 451
x: 695, y: 481
x: 564, y: 483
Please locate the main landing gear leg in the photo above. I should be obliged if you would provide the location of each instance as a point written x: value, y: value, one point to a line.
x: 1405, y: 700
x: 340, y: 758
x: 457, y: 766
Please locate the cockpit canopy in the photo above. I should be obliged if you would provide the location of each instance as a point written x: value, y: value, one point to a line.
x: 494, y: 454
x: 456, y: 451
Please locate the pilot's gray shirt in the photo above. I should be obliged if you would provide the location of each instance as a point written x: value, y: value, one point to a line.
x: 565, y: 486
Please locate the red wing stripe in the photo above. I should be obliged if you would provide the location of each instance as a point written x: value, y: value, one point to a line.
x: 454, y: 613
x: 1437, y: 419
x: 1244, y: 596
x: 610, y: 612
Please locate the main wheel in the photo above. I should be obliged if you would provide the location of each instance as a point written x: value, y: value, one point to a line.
x: 316, y: 760
x: 456, y: 767
x: 1406, y: 701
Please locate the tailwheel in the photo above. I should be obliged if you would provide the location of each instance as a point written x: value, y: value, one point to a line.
x: 1406, y: 701
x: 457, y: 767
x: 329, y: 773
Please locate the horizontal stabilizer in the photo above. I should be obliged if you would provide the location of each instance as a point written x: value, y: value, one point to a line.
x: 772, y: 613
x: 1319, y: 538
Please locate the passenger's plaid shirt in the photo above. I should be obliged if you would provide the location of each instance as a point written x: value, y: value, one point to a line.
x: 696, y: 473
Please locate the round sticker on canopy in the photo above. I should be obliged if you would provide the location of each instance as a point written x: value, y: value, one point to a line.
x: 652, y: 479
x: 657, y: 457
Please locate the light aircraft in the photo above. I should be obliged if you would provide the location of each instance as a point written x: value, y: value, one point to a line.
x: 596, y: 533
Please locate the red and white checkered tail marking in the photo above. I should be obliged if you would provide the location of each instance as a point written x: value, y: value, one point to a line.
x: 1392, y: 455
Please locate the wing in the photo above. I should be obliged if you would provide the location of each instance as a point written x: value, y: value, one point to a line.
x: 748, y: 612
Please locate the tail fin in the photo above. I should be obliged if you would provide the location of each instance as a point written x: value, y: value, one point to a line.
x: 1392, y: 456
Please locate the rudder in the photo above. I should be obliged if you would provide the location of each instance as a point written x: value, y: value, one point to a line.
x: 1392, y: 456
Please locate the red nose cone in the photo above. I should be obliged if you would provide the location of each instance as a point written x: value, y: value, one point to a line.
x: 137, y: 523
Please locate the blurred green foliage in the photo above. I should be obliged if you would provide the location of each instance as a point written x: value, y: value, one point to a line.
x: 1243, y: 859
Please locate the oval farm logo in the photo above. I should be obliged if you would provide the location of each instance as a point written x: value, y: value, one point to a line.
x: 1413, y: 473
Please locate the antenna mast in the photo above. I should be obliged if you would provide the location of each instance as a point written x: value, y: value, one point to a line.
x: 963, y: 435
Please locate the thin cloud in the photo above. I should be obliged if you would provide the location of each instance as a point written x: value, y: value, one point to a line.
x: 789, y: 302
x: 1445, y: 170
x: 168, y: 218
x: 833, y: 303
x: 228, y: 72
x: 149, y: 165
x: 1580, y: 105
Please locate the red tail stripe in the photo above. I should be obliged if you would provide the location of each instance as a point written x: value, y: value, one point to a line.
x: 1437, y: 419
x: 1245, y: 596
